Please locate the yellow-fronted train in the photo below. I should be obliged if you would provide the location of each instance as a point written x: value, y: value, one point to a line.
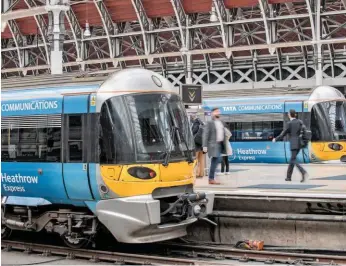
x: 117, y: 155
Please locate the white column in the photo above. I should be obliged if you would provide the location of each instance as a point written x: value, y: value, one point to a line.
x: 56, y: 13
x: 188, y: 69
x: 318, y: 46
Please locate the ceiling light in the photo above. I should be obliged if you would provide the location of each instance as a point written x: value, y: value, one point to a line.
x: 87, y: 32
x: 344, y: 53
x: 213, y: 16
x: 176, y: 63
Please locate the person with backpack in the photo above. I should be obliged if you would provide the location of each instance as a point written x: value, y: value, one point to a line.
x: 298, y: 140
x: 197, y: 131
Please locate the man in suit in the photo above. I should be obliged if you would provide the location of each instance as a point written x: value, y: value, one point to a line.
x: 293, y: 128
x: 214, y: 142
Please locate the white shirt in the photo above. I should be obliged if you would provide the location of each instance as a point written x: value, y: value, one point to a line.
x: 219, y: 131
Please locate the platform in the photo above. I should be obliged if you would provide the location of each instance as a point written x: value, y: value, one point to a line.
x: 324, y: 181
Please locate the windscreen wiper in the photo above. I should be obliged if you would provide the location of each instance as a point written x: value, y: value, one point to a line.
x: 189, y: 152
x: 180, y: 136
x: 169, y: 151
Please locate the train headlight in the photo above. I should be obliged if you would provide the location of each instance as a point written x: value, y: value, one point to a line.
x: 196, y: 210
x: 335, y: 147
x: 142, y: 172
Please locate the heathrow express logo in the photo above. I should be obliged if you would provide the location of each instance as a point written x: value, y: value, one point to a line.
x: 247, y: 154
x: 14, y: 183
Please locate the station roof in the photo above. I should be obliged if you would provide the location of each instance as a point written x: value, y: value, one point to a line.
x: 163, y: 34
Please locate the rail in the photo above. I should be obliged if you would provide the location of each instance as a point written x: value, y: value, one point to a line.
x: 198, y: 254
x: 100, y: 256
x: 264, y: 256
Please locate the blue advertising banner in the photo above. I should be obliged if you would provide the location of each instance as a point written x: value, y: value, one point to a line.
x: 253, y: 108
x: 31, y: 107
x: 258, y: 152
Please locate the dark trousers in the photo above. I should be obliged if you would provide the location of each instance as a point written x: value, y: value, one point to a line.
x: 224, y: 162
x: 293, y: 162
x: 214, y: 163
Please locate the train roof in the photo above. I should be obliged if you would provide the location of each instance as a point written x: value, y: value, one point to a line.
x: 273, y: 104
x: 46, y: 92
x: 253, y: 99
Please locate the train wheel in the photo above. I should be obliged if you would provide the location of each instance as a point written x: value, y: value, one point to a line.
x: 76, y: 241
x: 5, y: 232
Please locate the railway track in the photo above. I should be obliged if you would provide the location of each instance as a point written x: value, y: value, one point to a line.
x: 102, y: 256
x: 264, y: 256
x: 180, y: 254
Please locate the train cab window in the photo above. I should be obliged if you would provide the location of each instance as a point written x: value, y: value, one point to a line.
x: 321, y: 128
x: 115, y: 136
x: 75, y: 140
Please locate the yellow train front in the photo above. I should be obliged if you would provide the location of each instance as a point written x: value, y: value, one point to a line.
x: 146, y: 160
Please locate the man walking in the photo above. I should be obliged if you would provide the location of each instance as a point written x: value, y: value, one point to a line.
x: 214, y: 142
x: 294, y: 128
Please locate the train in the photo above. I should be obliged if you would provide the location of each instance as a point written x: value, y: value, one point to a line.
x: 255, y: 120
x: 117, y: 156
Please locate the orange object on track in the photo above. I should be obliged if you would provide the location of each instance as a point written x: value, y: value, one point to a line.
x: 255, y: 244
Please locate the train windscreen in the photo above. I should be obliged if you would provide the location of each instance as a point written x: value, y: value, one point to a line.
x: 139, y: 128
x: 328, y: 121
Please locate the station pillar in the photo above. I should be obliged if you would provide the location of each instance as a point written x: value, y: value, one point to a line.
x: 56, y: 30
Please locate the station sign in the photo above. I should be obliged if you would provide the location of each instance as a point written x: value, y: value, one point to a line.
x: 191, y: 94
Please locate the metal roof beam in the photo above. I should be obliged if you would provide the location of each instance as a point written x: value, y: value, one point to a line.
x: 181, y: 19
x: 143, y: 22
x: 344, y: 3
x: 222, y: 15
x: 24, y: 13
x: 107, y: 25
x: 41, y: 24
x: 76, y: 30
x: 290, y: 7
x: 17, y: 38
x: 194, y: 52
x: 265, y: 12
x: 330, y: 46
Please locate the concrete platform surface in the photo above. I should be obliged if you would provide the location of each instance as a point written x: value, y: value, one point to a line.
x: 270, y: 178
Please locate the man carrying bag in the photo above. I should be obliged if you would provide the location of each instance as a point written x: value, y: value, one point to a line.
x: 299, y: 139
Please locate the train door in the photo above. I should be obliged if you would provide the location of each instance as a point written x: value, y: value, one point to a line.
x: 75, y: 161
x: 303, y: 156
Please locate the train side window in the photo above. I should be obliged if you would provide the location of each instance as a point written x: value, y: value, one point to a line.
x: 30, y: 145
x: 255, y: 130
x: 75, y: 140
x: 53, y: 145
x: 9, y: 144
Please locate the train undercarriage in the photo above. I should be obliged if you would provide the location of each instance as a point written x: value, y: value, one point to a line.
x: 78, y: 226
